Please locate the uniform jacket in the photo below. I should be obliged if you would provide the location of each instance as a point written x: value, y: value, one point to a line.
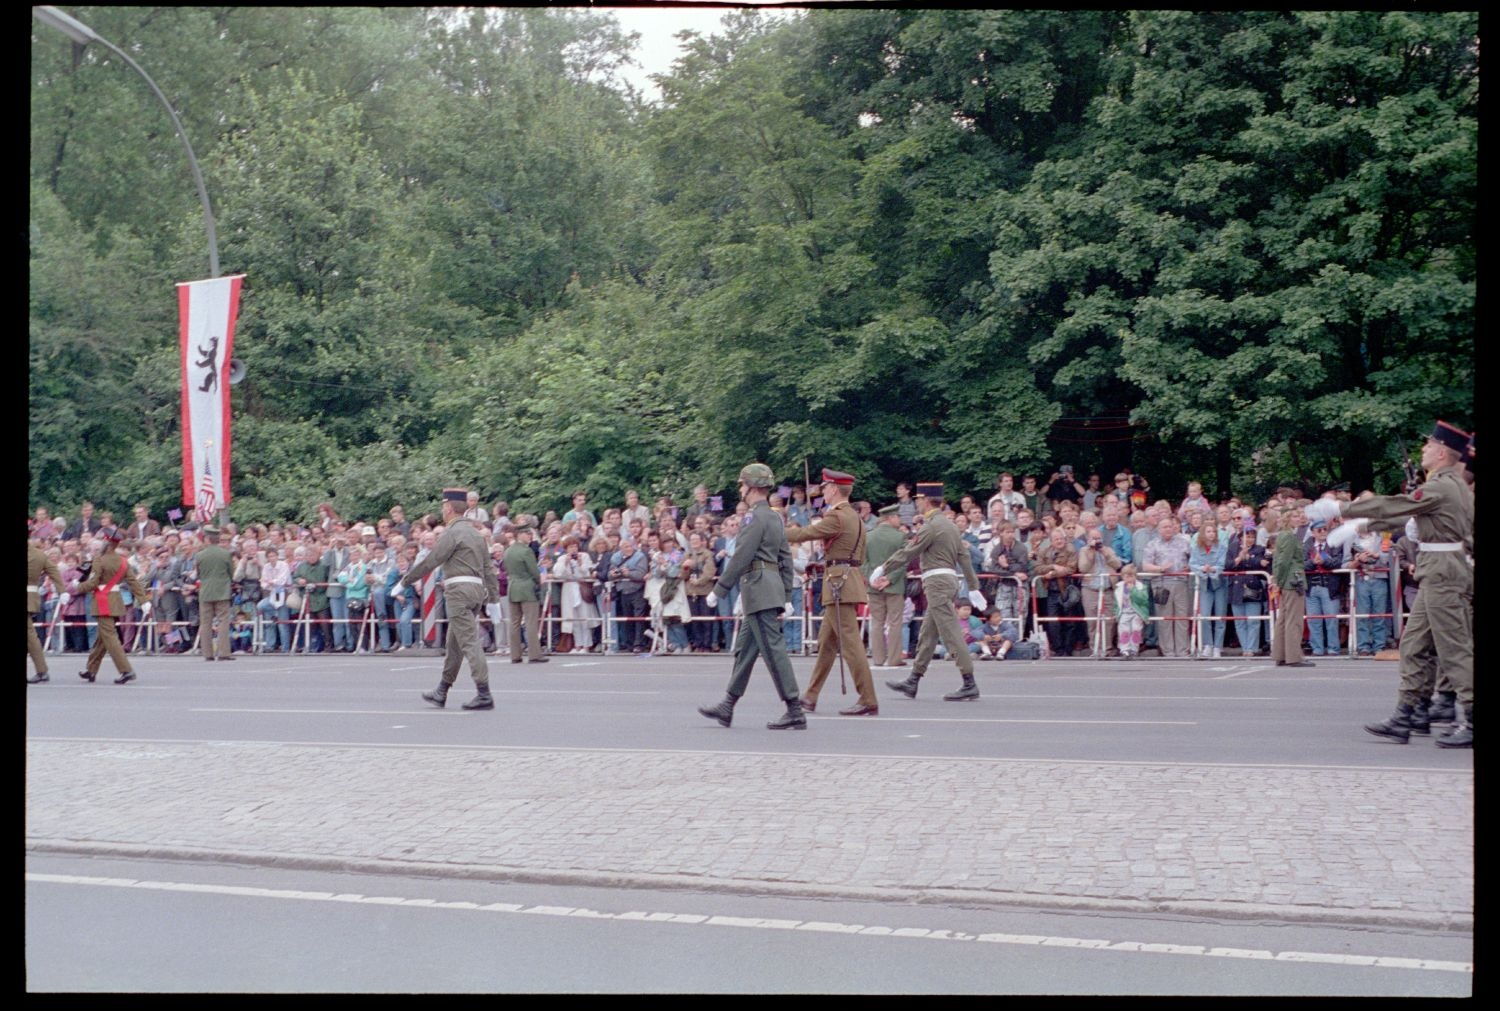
x: 461, y: 552
x: 844, y: 541
x: 38, y: 563
x: 105, y: 567
x: 1444, y: 510
x: 762, y: 561
x: 885, y: 541
x: 215, y: 573
x: 522, y: 574
x: 939, y: 545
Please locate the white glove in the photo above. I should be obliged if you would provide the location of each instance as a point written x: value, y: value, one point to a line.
x: 739, y: 605
x: 787, y: 609
x: 1324, y: 509
x: 977, y: 599
x: 1411, y: 529
x: 1346, y: 532
x: 145, y: 608
x: 64, y: 597
x: 711, y: 600
x: 879, y: 571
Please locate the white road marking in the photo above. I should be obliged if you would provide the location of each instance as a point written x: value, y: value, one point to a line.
x: 764, y: 923
x: 1070, y: 723
x: 727, y: 752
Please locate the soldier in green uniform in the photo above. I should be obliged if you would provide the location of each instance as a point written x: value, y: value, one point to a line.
x: 468, y: 584
x: 1439, y: 630
x: 886, y: 604
x: 1289, y: 590
x: 109, y: 570
x: 215, y: 576
x: 942, y: 553
x: 844, y: 545
x: 37, y: 565
x: 762, y: 567
x: 525, y: 578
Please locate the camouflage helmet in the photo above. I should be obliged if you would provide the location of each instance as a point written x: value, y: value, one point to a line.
x: 757, y: 475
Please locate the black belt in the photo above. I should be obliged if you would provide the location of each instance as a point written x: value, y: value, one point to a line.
x: 761, y: 563
x: 842, y: 561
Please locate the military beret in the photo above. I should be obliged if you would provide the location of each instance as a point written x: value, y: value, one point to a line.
x: 838, y: 477
x: 456, y: 495
x: 930, y: 489
x: 888, y: 510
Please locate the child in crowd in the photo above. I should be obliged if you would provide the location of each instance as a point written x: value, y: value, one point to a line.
x: 1133, y: 604
x: 997, y: 636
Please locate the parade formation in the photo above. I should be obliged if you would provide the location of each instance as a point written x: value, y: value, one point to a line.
x: 1435, y: 521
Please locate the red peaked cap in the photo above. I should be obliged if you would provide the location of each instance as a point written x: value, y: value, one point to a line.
x: 838, y: 477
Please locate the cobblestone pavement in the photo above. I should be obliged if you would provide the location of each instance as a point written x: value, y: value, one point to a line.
x: 1230, y: 841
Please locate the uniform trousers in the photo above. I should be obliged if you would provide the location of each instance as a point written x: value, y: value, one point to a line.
x: 941, y: 622
x: 214, y: 644
x: 34, y: 645
x: 531, y: 612
x: 108, y: 641
x: 1286, y: 644
x: 840, y: 630
x: 1438, y: 632
x: 760, y: 636
x: 464, y: 602
x: 885, y: 627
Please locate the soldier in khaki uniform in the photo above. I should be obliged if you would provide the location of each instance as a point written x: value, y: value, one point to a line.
x: 109, y: 571
x: 844, y: 544
x: 886, y: 604
x: 215, y: 588
x: 1439, y: 630
x: 943, y: 553
x: 761, y: 567
x: 469, y: 582
x: 37, y: 565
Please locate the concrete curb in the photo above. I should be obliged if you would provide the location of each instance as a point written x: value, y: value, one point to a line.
x: 1260, y: 912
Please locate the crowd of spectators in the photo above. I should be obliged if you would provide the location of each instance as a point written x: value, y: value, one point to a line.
x: 1101, y: 561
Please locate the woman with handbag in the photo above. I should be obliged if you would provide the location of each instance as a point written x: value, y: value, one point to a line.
x: 1247, y: 594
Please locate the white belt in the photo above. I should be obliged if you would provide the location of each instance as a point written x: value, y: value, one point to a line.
x: 463, y: 579
x: 1440, y: 546
x: 33, y: 589
x: 939, y: 572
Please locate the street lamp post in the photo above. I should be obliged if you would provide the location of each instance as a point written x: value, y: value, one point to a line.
x: 83, y: 34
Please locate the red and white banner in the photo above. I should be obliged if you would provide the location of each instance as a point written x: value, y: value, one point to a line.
x: 206, y: 315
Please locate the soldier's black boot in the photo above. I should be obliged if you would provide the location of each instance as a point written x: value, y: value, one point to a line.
x: 438, y: 696
x: 1397, y: 727
x: 907, y: 687
x: 1462, y: 736
x: 40, y: 677
x: 1443, y: 708
x: 88, y: 675
x: 124, y: 679
x: 792, y: 719
x: 969, y: 691
x: 1420, y: 723
x: 724, y: 711
x: 481, y: 701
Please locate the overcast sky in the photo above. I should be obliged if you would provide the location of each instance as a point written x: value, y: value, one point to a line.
x: 657, y: 24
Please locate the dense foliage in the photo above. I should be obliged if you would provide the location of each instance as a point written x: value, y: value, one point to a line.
x: 1235, y: 246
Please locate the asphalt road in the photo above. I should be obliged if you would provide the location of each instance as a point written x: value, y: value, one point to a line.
x: 1142, y: 711
x: 220, y: 928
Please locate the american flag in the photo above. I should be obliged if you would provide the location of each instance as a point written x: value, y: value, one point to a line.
x: 206, y: 500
